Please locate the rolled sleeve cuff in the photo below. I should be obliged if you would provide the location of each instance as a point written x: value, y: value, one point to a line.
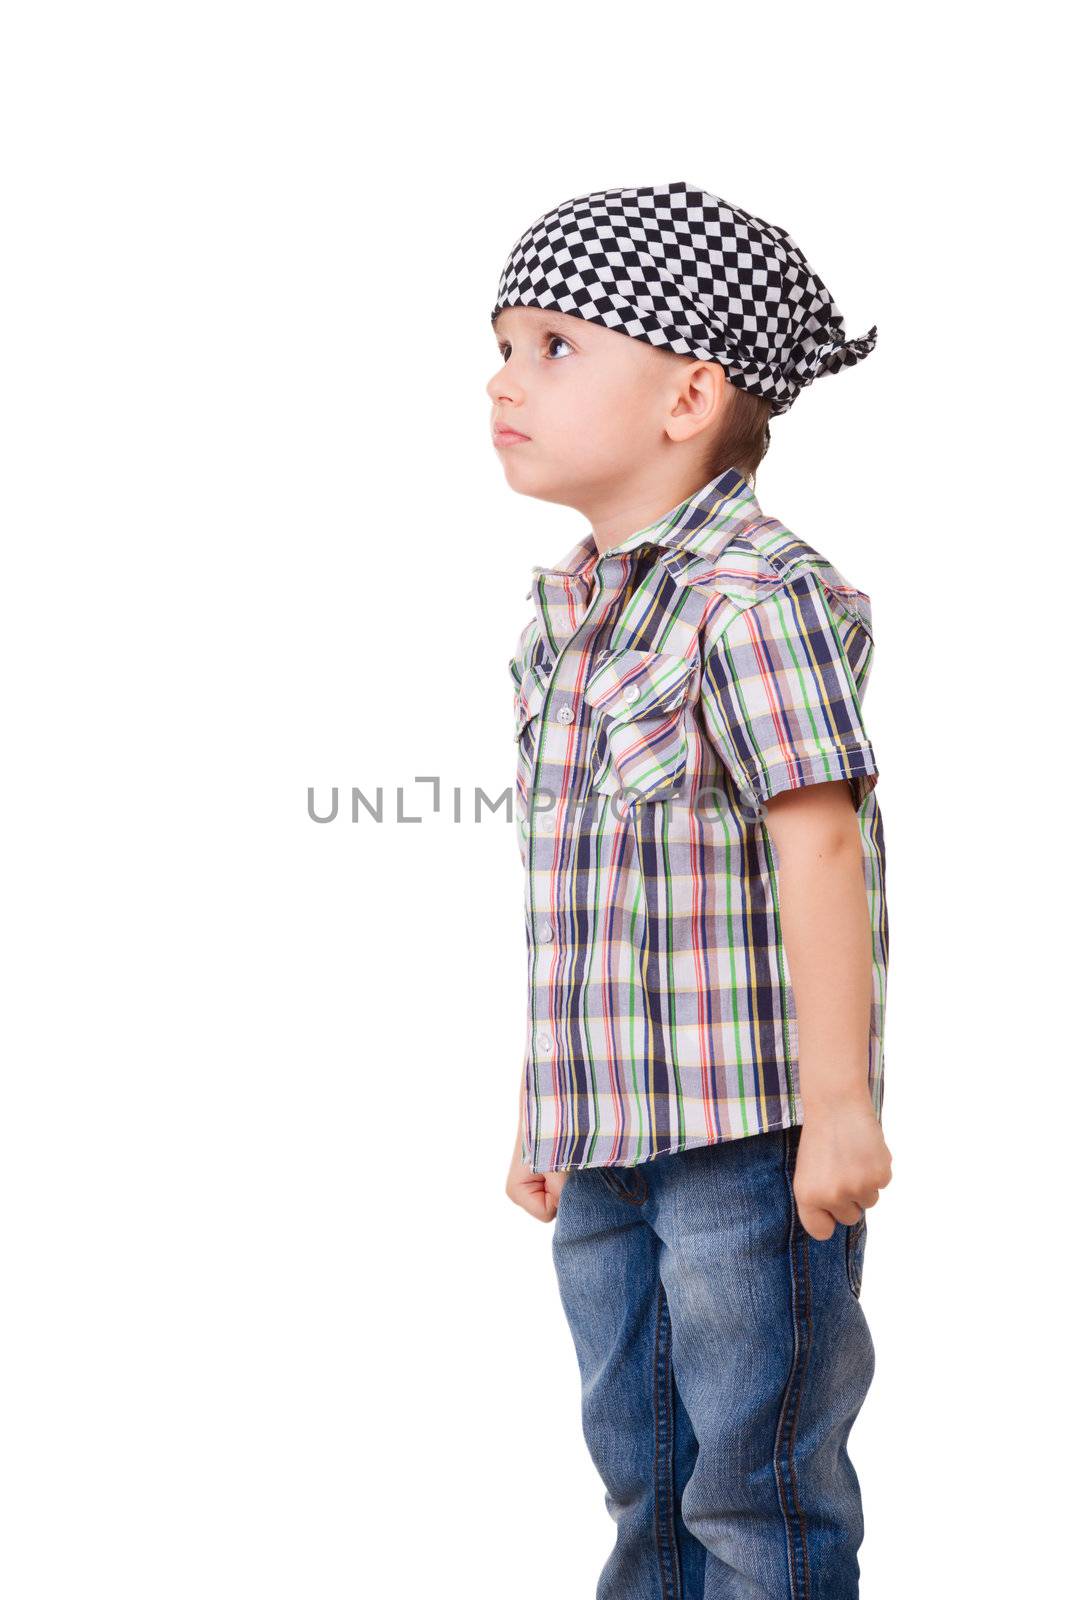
x: 857, y: 764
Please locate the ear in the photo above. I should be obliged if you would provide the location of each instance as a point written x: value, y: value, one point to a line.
x: 698, y: 398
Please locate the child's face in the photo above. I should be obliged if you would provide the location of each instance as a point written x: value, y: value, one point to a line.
x: 599, y: 409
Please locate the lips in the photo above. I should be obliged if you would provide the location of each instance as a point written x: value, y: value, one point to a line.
x: 508, y: 436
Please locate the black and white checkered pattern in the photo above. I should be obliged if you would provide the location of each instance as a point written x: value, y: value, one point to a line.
x: 678, y: 267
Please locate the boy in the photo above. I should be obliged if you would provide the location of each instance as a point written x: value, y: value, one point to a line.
x: 705, y: 893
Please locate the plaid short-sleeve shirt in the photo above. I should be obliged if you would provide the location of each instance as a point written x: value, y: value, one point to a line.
x: 662, y: 691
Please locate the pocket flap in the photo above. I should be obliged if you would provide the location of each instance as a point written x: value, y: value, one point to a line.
x: 530, y: 698
x: 639, y: 683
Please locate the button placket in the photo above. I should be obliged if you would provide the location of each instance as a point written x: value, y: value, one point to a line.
x: 592, y: 619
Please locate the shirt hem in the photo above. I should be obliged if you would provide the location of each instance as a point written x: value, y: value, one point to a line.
x: 677, y: 1148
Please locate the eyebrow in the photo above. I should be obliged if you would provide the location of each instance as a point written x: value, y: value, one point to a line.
x: 543, y: 318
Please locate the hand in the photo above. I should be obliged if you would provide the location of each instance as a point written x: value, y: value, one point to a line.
x: 536, y: 1192
x: 842, y: 1162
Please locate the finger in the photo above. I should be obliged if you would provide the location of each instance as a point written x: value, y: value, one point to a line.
x: 528, y: 1198
x: 819, y: 1223
x: 539, y: 1204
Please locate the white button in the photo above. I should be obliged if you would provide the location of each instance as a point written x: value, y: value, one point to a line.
x: 544, y: 1041
x: 546, y: 930
x: 565, y: 714
x: 632, y: 693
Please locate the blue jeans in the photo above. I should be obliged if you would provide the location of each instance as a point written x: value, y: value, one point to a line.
x: 723, y: 1356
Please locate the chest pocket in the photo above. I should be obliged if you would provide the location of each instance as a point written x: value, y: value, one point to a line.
x: 529, y: 699
x: 638, y: 699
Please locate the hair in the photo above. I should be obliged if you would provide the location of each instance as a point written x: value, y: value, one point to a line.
x: 745, y: 435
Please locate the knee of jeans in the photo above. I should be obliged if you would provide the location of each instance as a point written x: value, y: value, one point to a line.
x: 622, y: 1461
x: 705, y: 1504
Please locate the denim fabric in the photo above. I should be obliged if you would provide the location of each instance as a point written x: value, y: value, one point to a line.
x: 724, y: 1356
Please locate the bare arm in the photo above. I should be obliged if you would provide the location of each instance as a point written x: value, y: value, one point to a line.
x: 843, y: 1159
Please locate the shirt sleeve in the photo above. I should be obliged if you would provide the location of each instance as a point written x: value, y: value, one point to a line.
x: 517, y: 669
x: 781, y: 692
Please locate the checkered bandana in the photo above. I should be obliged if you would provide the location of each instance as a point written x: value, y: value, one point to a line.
x: 678, y: 267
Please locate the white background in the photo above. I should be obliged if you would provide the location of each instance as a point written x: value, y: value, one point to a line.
x: 270, y: 1327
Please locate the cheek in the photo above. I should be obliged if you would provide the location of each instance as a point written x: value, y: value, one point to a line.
x: 596, y: 418
x: 617, y: 430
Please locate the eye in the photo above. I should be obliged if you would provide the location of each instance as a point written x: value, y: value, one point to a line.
x: 551, y: 339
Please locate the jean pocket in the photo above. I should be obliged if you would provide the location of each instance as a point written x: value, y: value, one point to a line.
x: 855, y: 1245
x: 625, y: 1183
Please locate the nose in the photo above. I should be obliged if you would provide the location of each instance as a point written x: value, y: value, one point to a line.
x: 503, y: 386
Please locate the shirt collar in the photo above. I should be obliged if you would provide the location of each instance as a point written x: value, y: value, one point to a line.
x: 701, y: 524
